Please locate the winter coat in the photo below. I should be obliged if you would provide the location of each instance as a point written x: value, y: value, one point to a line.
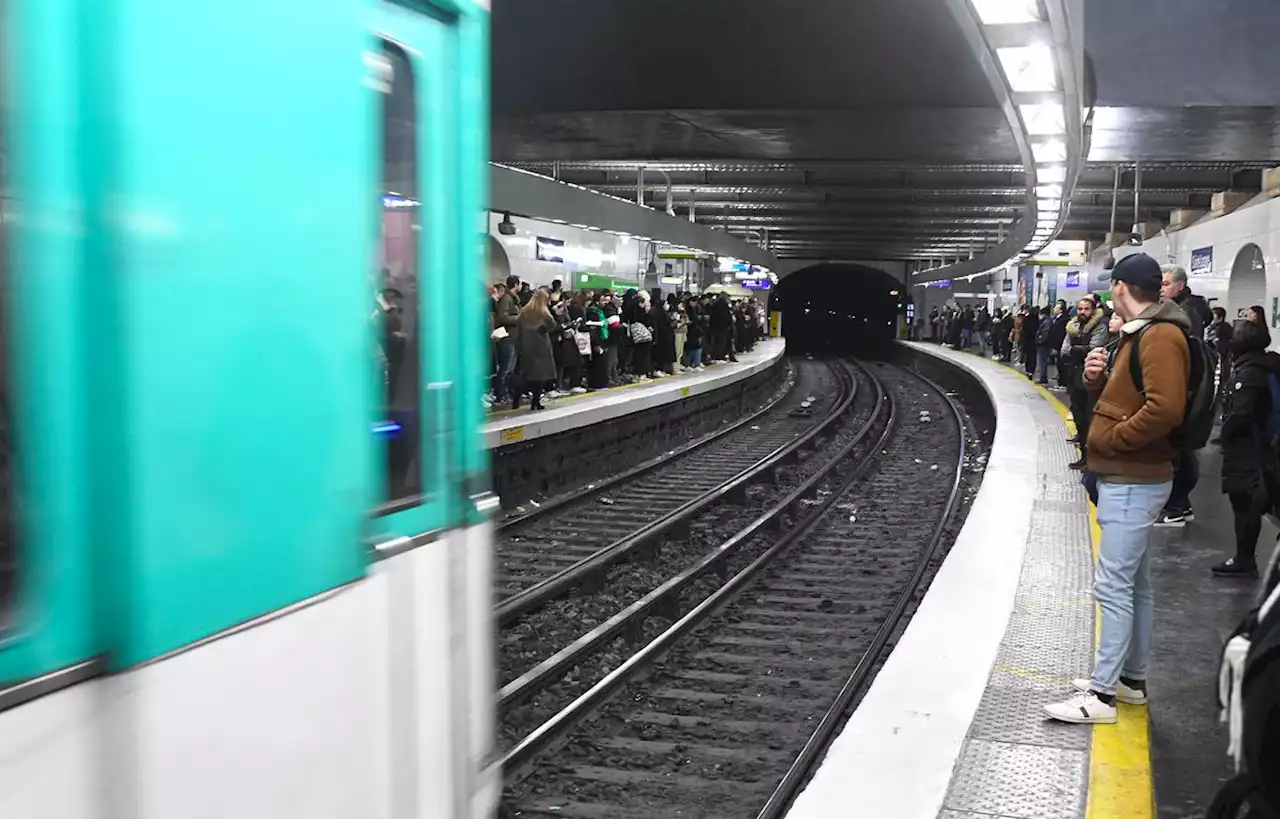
x: 1249, y: 463
x: 1129, y: 434
x: 664, y: 335
x: 721, y: 315
x: 1197, y: 310
x: 695, y: 331
x: 507, y: 313
x: 1057, y: 331
x: 1219, y: 338
x: 1081, y: 337
x: 533, y: 340
x: 597, y: 325
x: 567, y: 325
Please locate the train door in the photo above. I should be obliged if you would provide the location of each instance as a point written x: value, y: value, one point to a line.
x: 425, y: 311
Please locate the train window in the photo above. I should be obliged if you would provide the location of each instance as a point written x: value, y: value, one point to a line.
x: 397, y: 297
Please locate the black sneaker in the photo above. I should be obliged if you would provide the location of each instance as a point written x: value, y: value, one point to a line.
x: 1230, y: 568
x: 1175, y: 517
x: 1078, y: 464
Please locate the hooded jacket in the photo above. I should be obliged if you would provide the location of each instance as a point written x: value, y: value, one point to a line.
x: 1085, y: 335
x: 1129, y: 432
x: 1248, y: 461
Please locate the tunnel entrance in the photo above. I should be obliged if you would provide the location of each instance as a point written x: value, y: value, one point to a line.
x: 839, y: 308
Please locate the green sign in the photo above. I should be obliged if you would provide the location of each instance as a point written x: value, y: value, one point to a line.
x: 599, y: 281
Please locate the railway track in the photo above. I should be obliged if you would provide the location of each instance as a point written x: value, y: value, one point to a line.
x: 573, y: 541
x: 723, y: 712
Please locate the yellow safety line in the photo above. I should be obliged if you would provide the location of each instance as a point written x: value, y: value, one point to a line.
x: 1120, y: 783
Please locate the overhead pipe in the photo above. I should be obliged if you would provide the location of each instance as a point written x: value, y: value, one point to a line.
x: 1115, y: 196
x: 1137, y: 187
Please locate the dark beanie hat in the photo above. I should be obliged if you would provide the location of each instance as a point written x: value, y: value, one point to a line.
x: 1139, y: 270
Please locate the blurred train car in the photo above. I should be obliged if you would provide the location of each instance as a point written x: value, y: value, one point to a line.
x: 244, y: 568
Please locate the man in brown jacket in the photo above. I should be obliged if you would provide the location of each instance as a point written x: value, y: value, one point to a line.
x: 1131, y: 453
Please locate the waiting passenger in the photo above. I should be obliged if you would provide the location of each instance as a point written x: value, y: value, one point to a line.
x: 664, y: 337
x: 506, y: 316
x: 569, y: 314
x: 1131, y: 452
x: 641, y: 331
x: 1173, y: 286
x: 597, y: 325
x: 1084, y: 332
x: 1250, y: 470
x: 694, y: 336
x: 537, y: 360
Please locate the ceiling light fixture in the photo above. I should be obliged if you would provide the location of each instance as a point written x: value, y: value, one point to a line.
x: 1043, y: 118
x: 1051, y: 173
x: 999, y: 12
x: 1052, y: 150
x: 1029, y: 68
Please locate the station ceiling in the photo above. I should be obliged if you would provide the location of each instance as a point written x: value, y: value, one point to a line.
x: 866, y: 130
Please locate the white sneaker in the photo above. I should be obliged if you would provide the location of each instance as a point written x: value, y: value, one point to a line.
x: 659, y: 374
x: 1130, y: 696
x: 578, y: 391
x: 1083, y: 708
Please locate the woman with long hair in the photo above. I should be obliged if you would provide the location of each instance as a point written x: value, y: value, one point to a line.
x: 533, y: 340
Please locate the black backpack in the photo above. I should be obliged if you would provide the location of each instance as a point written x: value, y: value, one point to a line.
x: 1197, y: 421
x: 1257, y: 788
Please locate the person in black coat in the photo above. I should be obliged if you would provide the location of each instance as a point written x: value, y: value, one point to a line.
x: 721, y: 328
x: 1027, y: 338
x: 694, y: 334
x: 1249, y: 463
x: 664, y: 335
x: 569, y: 315
x: 533, y: 340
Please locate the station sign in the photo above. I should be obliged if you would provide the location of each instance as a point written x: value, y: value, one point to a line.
x: 1202, y: 261
x: 755, y: 284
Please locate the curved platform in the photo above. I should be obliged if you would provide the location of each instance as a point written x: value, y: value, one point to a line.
x: 952, y: 725
x: 565, y: 414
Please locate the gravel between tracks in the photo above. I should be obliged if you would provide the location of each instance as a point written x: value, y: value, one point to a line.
x: 709, y: 731
x: 546, y: 631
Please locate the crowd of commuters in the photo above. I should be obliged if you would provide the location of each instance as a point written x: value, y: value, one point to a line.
x: 550, y: 343
x: 1131, y: 403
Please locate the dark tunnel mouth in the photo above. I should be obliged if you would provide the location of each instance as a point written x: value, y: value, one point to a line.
x: 837, y: 308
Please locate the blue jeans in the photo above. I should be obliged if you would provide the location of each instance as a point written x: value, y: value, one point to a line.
x: 506, y: 366
x: 692, y: 356
x: 1122, y: 580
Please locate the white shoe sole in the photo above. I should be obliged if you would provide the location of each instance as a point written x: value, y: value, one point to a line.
x: 1136, y: 698
x: 1080, y: 719
x: 1170, y: 524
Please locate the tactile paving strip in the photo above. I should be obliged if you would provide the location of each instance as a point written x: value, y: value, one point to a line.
x: 1016, y: 764
x: 1030, y: 781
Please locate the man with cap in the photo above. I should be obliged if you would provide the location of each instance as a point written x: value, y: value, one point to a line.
x: 1132, y: 455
